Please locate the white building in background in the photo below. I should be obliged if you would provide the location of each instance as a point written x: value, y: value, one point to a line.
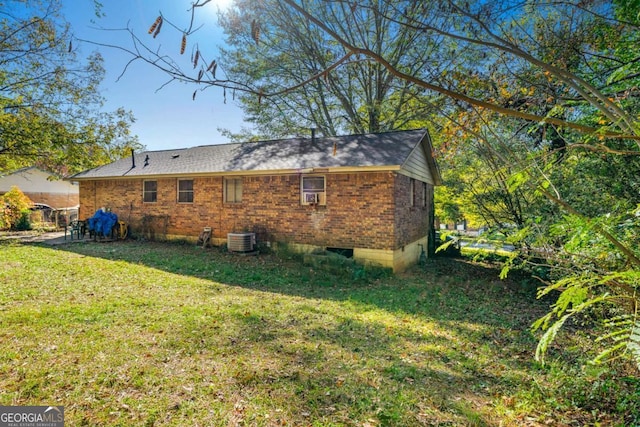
x: 42, y: 187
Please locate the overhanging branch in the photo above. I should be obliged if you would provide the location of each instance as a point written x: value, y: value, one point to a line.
x: 455, y: 95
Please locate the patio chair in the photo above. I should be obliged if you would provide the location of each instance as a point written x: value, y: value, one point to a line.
x: 76, y: 227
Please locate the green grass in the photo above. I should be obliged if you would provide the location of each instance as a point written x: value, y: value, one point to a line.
x: 164, y: 334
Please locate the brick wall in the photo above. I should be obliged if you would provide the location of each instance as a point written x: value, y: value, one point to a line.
x: 412, y: 217
x: 359, y: 212
x: 55, y: 200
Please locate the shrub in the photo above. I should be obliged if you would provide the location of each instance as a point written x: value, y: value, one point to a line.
x: 15, y: 203
x: 24, y: 222
x: 4, y: 224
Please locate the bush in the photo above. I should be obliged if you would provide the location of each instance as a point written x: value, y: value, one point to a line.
x: 15, y: 204
x: 24, y: 223
x: 4, y: 224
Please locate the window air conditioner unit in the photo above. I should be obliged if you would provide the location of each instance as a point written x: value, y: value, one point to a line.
x: 241, y: 242
x: 311, y: 198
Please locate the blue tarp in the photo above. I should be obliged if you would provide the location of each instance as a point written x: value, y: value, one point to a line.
x: 102, y: 222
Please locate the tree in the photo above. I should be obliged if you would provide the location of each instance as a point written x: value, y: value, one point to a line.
x: 49, y: 98
x: 543, y: 93
x: 359, y: 98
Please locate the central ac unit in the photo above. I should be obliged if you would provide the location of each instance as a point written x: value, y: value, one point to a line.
x: 241, y: 242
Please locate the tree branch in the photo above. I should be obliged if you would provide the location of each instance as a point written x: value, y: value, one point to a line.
x: 456, y: 95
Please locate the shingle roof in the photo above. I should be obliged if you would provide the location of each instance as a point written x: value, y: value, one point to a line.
x: 383, y: 149
x: 28, y: 168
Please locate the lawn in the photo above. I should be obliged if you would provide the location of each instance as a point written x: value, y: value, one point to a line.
x: 151, y: 334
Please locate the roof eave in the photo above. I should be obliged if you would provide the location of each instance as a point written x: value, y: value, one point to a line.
x: 316, y: 170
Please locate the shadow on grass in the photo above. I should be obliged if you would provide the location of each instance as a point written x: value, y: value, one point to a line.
x: 334, y: 367
x: 444, y: 345
x: 446, y: 289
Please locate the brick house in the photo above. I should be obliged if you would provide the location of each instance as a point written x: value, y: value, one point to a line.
x: 371, y: 195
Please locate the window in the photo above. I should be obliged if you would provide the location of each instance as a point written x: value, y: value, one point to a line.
x: 412, y: 191
x: 313, y: 190
x: 150, y: 191
x: 424, y: 194
x: 185, y: 191
x: 233, y: 190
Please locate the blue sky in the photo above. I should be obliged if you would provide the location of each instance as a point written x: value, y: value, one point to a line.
x: 165, y: 118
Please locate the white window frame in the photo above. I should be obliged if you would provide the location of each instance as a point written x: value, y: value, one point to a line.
x: 321, y: 194
x: 179, y: 192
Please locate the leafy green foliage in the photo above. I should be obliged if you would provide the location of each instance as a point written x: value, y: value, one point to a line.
x: 572, y: 196
x: 50, y: 105
x: 24, y: 222
x: 607, y: 283
x: 633, y: 343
